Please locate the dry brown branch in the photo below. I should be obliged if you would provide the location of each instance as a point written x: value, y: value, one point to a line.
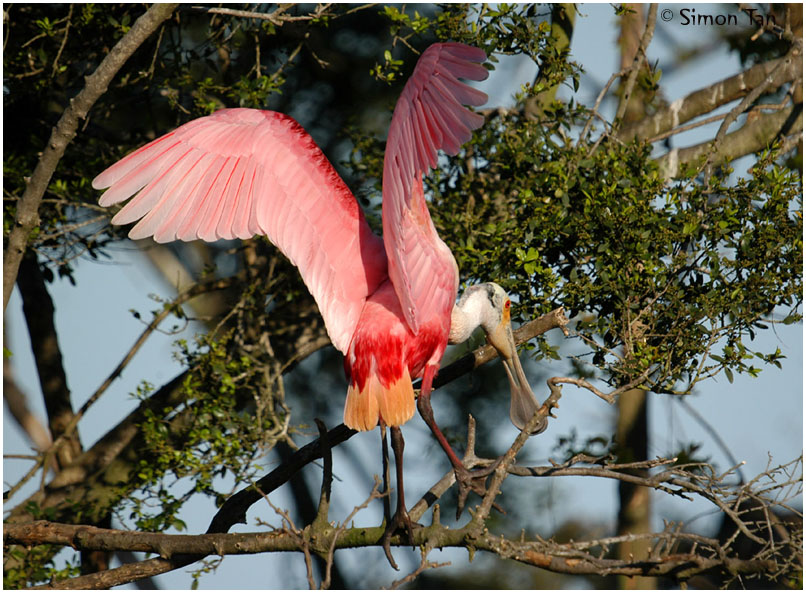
x: 331, y: 547
x: 588, y: 557
x: 424, y: 565
x: 277, y: 17
x: 27, y: 216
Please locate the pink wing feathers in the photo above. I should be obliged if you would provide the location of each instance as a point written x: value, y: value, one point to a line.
x: 241, y: 172
x: 429, y: 116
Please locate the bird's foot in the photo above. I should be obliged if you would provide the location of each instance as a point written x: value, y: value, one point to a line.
x: 473, y: 481
x: 400, y: 523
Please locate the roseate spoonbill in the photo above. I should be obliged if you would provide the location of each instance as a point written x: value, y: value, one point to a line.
x: 388, y: 305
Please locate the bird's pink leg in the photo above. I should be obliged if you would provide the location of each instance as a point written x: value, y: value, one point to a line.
x: 466, y: 479
x: 401, y: 517
x: 427, y: 413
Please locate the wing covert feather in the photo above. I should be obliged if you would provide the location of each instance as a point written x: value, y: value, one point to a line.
x: 430, y: 115
x: 241, y: 172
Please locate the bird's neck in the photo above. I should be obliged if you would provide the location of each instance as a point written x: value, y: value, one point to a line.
x: 467, y: 315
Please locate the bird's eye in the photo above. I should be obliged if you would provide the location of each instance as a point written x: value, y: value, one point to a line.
x: 506, y: 304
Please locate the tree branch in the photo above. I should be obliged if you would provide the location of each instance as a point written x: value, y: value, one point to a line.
x: 276, y: 17
x: 27, y: 217
x: 747, y: 101
x: 17, y: 403
x: 698, y: 553
x: 755, y: 135
x: 706, y: 100
x: 561, y: 558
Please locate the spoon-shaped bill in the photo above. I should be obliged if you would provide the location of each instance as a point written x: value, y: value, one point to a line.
x: 523, y: 405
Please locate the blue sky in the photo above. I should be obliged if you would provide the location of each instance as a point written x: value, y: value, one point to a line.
x: 758, y: 418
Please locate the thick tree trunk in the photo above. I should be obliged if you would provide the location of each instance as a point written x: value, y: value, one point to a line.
x: 634, y: 501
x: 39, y: 317
x: 632, y: 426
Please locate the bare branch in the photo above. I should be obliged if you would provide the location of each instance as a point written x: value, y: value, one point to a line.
x: 715, y: 118
x: 277, y: 17
x: 613, y: 77
x: 574, y: 558
x: 424, y: 565
x: 666, y: 558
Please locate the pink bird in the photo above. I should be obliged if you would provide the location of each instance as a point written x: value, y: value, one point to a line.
x: 389, y: 305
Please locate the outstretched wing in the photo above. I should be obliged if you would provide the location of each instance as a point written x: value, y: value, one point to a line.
x: 242, y: 172
x: 430, y: 115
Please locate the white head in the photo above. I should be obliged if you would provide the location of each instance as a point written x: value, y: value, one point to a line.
x: 487, y: 305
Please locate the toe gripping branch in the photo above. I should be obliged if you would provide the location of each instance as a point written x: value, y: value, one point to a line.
x: 469, y: 479
x: 404, y: 523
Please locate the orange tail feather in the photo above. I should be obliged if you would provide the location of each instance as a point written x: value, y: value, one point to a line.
x: 396, y: 402
x: 393, y: 404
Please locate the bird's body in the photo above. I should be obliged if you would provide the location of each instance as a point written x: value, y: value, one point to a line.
x: 383, y: 358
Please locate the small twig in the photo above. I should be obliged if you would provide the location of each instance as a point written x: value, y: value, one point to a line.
x: 374, y: 494
x: 276, y: 17
x: 424, y: 565
x: 768, y: 25
x: 615, y: 76
x: 63, y: 43
x: 608, y: 397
